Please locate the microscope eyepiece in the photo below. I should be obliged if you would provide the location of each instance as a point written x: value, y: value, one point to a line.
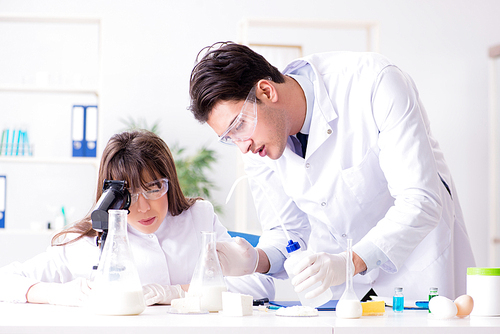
x: 115, y: 196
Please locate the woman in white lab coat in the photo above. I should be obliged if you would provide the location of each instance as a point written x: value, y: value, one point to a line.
x: 164, y: 230
x: 372, y: 171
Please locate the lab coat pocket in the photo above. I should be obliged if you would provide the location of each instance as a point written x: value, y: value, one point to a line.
x: 432, y: 247
x: 366, y: 180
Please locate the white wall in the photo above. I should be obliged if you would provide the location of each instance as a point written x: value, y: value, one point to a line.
x: 149, y: 47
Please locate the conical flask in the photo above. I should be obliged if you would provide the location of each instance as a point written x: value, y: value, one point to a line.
x: 116, y: 287
x: 349, y: 306
x: 207, y: 281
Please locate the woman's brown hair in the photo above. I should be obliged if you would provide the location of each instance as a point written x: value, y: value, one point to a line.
x: 137, y: 157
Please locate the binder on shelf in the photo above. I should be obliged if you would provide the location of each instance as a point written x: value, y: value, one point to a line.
x: 91, y: 131
x: 3, y: 199
x: 84, y: 131
x: 78, y: 115
x: 14, y: 142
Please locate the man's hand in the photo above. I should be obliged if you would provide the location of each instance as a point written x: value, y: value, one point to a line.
x: 330, y: 269
x: 161, y: 294
x: 237, y: 257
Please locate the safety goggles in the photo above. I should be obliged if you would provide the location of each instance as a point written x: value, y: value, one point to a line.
x: 156, y: 189
x: 243, y: 126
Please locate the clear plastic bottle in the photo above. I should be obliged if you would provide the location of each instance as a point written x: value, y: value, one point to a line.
x: 296, y: 255
x: 433, y: 292
x: 398, y: 300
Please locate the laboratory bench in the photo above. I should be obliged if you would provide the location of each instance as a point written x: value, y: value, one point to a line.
x: 33, y: 318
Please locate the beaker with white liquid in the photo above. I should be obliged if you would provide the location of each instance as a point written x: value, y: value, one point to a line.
x: 208, y: 281
x: 116, y: 287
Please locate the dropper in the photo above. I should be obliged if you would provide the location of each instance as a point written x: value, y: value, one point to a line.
x: 293, y: 245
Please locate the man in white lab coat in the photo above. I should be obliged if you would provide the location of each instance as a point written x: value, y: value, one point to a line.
x: 369, y: 171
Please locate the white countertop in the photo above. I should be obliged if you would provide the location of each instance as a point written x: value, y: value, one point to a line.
x: 33, y: 318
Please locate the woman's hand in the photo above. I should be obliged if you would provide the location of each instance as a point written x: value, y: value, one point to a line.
x: 73, y: 293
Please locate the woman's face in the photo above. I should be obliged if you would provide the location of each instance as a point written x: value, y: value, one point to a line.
x: 146, y: 215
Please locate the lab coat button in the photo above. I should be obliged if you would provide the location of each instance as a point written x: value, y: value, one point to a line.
x: 323, y: 203
x: 344, y: 235
x: 379, y: 262
x: 329, y: 131
x: 308, y: 165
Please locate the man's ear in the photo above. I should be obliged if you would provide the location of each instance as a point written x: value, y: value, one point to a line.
x: 266, y: 91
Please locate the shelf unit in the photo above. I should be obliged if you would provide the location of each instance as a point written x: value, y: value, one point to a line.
x: 32, y: 18
x: 40, y: 18
x: 49, y: 89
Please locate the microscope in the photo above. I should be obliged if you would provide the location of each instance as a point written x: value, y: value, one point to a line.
x: 115, y: 196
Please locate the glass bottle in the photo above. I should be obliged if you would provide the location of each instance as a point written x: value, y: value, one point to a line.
x: 349, y: 305
x: 207, y: 281
x: 297, y: 254
x: 433, y: 292
x: 398, y: 300
x: 116, y: 286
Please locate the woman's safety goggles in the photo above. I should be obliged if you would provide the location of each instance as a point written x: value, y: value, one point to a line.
x: 156, y: 189
x: 243, y: 126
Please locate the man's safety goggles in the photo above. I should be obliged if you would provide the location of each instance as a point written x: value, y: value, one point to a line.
x: 243, y: 126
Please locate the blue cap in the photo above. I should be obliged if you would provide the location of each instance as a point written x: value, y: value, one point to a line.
x: 292, y: 246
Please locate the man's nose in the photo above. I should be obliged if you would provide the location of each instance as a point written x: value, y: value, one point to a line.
x: 244, y: 145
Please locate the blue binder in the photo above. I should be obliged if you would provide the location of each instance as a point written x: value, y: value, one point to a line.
x: 3, y: 199
x: 84, y: 131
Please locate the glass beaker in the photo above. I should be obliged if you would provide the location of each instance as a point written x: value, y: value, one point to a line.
x: 116, y: 288
x: 207, y: 281
x: 349, y: 305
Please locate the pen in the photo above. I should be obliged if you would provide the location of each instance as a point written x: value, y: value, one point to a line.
x: 273, y: 307
x: 262, y: 301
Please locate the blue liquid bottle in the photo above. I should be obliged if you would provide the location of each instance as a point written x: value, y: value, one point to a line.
x: 398, y: 300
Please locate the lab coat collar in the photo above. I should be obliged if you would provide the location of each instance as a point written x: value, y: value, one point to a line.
x: 323, y: 111
x: 159, y: 231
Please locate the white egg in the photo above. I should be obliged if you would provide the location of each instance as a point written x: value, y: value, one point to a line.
x: 442, y: 308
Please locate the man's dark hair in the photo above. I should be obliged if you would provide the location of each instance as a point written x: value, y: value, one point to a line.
x: 226, y: 72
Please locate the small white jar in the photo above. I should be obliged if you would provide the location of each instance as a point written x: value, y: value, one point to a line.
x: 483, y: 285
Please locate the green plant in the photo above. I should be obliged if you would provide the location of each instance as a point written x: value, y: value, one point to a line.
x: 191, y: 169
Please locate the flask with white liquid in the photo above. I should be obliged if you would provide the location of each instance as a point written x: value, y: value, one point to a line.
x: 208, y: 281
x: 296, y: 255
x: 349, y: 305
x: 116, y: 287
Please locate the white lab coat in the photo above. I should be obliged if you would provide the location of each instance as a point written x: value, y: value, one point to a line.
x: 371, y: 173
x: 167, y: 257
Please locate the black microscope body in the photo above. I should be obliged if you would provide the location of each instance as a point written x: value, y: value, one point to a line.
x: 115, y: 196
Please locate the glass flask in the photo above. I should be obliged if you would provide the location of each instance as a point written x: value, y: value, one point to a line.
x: 207, y: 281
x: 116, y: 287
x: 349, y: 305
